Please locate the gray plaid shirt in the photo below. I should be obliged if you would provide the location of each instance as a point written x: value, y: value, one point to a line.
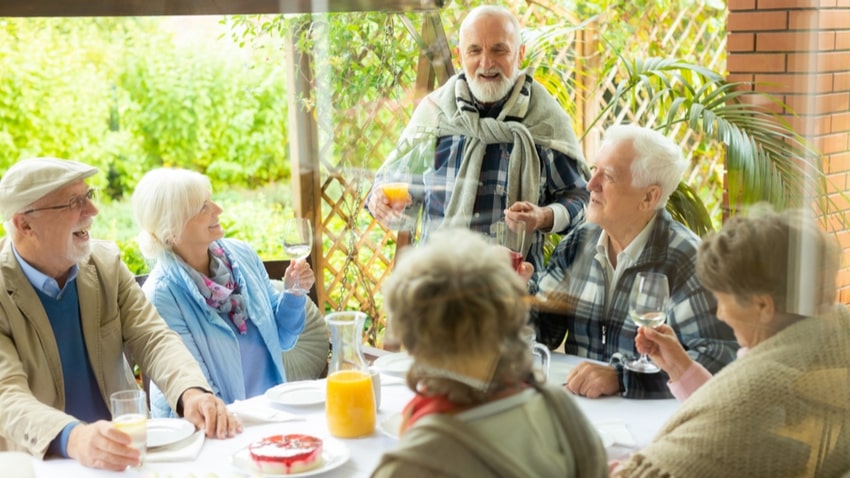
x: 573, y: 298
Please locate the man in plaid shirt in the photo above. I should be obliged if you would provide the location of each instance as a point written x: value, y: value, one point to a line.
x: 584, y: 290
x: 503, y: 148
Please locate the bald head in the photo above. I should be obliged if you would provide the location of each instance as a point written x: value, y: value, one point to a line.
x: 492, y: 11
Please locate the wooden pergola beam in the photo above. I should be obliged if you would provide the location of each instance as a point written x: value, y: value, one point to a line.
x: 111, y: 8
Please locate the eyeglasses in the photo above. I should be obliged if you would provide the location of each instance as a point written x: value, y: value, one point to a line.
x: 76, y: 202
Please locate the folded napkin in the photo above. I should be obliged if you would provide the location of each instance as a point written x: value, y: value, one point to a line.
x: 254, y: 413
x: 186, y: 449
x: 615, y: 433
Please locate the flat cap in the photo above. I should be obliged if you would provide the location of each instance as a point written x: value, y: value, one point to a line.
x: 29, y: 180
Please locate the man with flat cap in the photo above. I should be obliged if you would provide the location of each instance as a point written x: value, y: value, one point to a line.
x: 68, y: 310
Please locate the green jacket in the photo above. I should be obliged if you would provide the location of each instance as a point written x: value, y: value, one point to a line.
x: 545, y: 435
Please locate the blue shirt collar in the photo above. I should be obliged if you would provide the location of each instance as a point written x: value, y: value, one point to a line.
x: 43, y: 282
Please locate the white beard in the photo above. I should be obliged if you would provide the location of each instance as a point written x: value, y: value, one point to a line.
x: 492, y: 91
x: 78, y: 252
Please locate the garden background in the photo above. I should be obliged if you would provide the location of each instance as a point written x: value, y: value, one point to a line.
x: 132, y: 94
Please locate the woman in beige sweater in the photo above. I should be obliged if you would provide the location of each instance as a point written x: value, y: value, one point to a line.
x: 781, y: 409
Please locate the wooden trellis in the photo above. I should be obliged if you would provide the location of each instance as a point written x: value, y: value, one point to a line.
x: 358, y: 252
x: 354, y: 253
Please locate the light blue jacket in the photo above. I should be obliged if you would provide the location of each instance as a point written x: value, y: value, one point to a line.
x: 279, y: 317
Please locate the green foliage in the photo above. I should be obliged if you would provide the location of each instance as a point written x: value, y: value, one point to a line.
x: 55, y: 88
x: 253, y: 216
x: 120, y: 94
x: 765, y: 159
x: 359, y: 58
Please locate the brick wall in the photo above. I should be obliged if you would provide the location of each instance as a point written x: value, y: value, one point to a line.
x: 801, y: 50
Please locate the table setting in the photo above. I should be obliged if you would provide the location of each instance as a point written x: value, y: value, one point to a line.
x: 178, y: 451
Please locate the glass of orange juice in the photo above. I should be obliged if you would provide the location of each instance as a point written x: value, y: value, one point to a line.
x: 350, y: 405
x: 396, y: 193
x: 350, y: 400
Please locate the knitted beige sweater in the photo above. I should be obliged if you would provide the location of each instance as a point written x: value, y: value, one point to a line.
x: 782, y: 410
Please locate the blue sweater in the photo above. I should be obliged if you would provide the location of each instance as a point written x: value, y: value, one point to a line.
x: 82, y: 394
x: 276, y: 319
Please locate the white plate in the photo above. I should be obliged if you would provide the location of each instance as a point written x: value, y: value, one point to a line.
x: 607, y: 439
x: 305, y: 392
x: 165, y: 431
x: 394, y: 364
x: 391, y: 425
x: 334, y: 454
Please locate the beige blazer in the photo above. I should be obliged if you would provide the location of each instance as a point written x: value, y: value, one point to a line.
x: 115, y: 315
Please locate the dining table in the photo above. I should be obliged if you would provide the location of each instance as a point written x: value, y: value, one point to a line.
x: 625, y: 425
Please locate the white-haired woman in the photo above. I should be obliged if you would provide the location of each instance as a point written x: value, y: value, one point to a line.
x: 460, y: 310
x: 213, y: 291
x: 781, y: 408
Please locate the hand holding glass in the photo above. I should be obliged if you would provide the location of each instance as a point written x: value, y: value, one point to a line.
x: 648, y: 308
x: 512, y: 239
x: 297, y: 243
x: 396, y: 188
x: 130, y: 414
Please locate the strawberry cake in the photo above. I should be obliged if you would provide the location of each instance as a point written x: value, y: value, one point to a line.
x: 286, y: 454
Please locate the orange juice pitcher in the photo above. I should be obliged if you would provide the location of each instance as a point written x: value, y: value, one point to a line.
x: 350, y: 403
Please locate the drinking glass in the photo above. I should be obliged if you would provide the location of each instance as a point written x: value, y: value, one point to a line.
x: 647, y: 308
x: 539, y: 352
x: 512, y: 239
x: 396, y: 187
x: 297, y: 242
x: 130, y: 415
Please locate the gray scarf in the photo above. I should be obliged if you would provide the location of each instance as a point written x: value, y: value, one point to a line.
x: 529, y: 117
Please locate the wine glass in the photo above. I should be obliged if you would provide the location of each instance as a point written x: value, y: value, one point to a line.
x: 647, y: 308
x: 297, y: 242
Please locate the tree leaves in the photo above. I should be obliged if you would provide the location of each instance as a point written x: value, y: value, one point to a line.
x: 765, y: 159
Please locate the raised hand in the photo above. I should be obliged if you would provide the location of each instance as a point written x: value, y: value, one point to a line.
x: 299, y: 272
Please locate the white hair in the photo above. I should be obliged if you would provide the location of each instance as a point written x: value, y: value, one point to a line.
x: 658, y: 160
x: 163, y: 202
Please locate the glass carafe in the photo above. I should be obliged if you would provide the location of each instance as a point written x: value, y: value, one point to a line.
x: 350, y: 404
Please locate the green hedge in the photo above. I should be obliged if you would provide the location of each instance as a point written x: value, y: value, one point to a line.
x: 118, y: 94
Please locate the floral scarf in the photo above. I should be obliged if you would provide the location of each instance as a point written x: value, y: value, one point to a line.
x: 221, y: 291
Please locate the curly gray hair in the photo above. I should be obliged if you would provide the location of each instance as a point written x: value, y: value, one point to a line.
x: 456, y: 303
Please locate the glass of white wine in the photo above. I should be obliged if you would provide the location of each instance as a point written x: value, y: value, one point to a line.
x: 297, y: 243
x: 648, y: 308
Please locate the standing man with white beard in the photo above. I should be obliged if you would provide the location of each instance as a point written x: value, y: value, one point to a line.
x: 505, y: 148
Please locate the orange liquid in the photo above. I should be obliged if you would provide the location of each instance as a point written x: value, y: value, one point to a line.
x: 395, y: 192
x: 350, y: 404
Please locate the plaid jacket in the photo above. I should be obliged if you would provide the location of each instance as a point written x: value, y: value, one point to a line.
x: 572, y: 298
x: 560, y: 182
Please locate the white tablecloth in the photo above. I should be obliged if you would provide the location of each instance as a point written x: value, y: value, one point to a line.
x: 641, y: 418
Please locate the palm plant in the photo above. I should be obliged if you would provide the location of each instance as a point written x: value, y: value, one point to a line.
x: 765, y: 159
